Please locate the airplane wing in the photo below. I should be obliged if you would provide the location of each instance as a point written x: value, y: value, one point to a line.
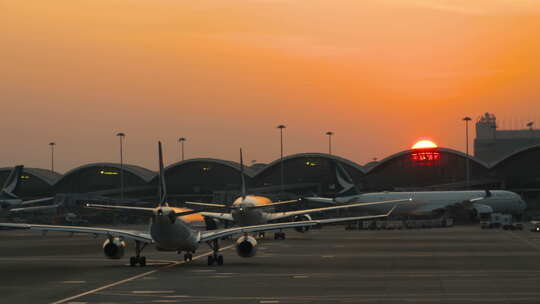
x: 37, y: 201
x: 207, y: 204
x: 324, y: 200
x: 36, y: 208
x: 129, y: 234
x: 215, y: 234
x: 219, y: 216
x: 275, y: 204
x: 281, y: 215
x: 142, y: 211
x: 252, y: 207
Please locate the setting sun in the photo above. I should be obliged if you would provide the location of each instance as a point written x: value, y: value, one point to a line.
x: 423, y: 144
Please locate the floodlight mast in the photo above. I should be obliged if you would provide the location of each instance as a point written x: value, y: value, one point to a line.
x: 121, y: 136
x: 181, y: 140
x: 466, y: 119
x: 330, y: 133
x: 281, y: 127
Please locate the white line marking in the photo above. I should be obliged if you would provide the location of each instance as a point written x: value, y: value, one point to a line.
x: 152, y: 291
x: 203, y: 270
x: 524, y: 240
x: 133, y: 278
x: 300, y: 277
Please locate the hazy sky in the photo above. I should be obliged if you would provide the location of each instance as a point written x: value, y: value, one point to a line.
x: 224, y: 74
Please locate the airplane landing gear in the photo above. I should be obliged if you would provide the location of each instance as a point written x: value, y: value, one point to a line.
x: 138, y: 259
x: 261, y: 235
x: 188, y: 257
x: 279, y: 235
x: 215, y: 258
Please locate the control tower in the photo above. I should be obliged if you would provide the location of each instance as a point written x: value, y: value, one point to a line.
x: 491, y: 144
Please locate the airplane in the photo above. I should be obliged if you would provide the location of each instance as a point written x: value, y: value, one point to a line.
x: 8, y: 199
x: 477, y: 202
x: 176, y: 229
x: 69, y: 206
x: 248, y: 210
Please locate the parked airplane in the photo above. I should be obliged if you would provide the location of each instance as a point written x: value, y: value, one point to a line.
x: 8, y: 198
x: 248, y: 210
x: 175, y: 229
x: 477, y: 202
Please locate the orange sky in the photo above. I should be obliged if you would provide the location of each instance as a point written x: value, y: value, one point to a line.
x: 379, y: 73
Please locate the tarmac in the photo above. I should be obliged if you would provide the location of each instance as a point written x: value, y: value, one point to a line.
x: 462, y: 264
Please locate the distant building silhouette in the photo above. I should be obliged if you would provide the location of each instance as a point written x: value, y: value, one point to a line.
x: 491, y: 144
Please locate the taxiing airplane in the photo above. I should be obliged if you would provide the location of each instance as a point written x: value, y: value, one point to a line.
x: 248, y: 210
x: 177, y: 229
x: 477, y: 202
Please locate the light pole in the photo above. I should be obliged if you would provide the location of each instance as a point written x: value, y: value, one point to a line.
x: 52, y: 144
x: 281, y: 127
x: 467, y: 171
x: 329, y: 133
x: 181, y: 140
x: 121, y: 136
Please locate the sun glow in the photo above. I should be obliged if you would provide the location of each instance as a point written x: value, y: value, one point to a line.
x: 424, y: 144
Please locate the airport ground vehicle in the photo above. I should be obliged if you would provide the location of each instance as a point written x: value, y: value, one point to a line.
x: 499, y: 220
x: 401, y: 224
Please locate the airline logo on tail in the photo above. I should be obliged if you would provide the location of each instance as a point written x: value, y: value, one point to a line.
x: 346, y: 182
x: 12, y: 183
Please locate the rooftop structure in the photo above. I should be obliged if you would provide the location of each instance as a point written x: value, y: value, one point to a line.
x: 492, y: 144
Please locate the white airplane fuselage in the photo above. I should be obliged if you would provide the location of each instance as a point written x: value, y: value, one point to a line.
x: 178, y: 234
x: 422, y: 202
x: 244, y: 214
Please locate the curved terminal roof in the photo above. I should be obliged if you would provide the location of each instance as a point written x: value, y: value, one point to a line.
x: 307, y: 155
x: 513, y: 155
x: 48, y: 176
x: 258, y: 167
x: 141, y: 172
x: 439, y: 149
x: 247, y: 170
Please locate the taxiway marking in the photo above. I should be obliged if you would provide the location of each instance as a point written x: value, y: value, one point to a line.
x: 134, y: 277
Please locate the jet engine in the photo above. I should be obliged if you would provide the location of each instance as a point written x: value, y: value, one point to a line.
x: 299, y: 218
x: 114, y: 248
x: 246, y: 246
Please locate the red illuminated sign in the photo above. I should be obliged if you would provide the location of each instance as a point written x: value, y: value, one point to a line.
x: 425, y: 157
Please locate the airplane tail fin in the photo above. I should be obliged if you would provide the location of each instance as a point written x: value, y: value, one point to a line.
x: 346, y: 182
x: 12, y: 182
x: 162, y: 187
x: 243, y: 179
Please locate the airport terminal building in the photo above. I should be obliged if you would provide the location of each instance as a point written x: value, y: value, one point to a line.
x: 492, y: 144
x: 504, y: 159
x: 304, y: 174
